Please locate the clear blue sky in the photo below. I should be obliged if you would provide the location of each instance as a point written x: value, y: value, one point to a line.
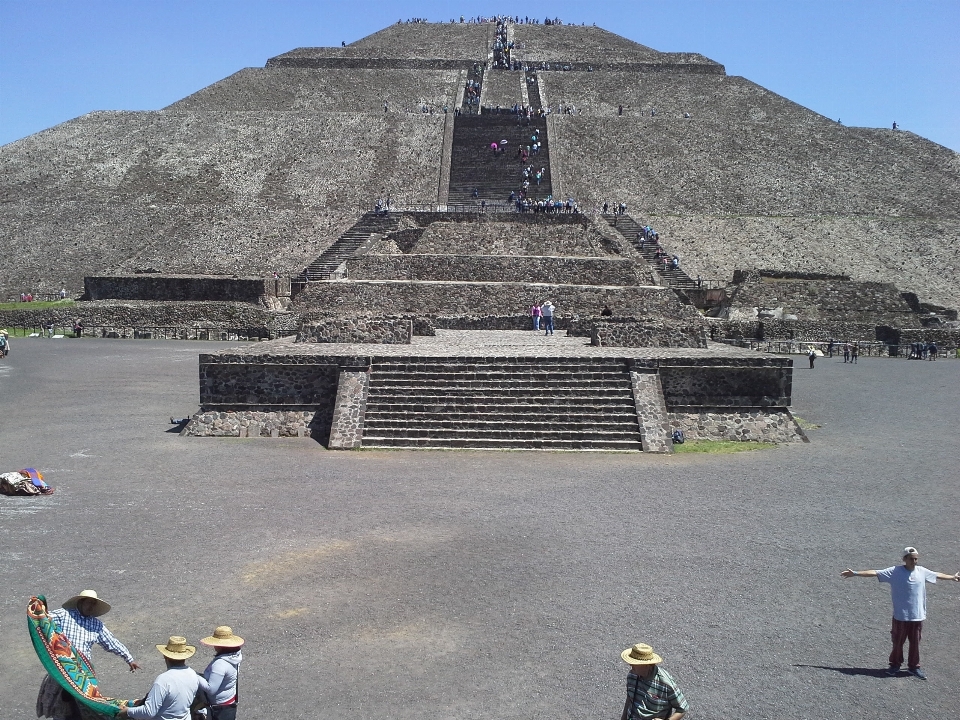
x: 865, y: 62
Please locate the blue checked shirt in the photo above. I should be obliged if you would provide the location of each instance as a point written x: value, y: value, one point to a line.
x: 83, y: 632
x: 656, y: 696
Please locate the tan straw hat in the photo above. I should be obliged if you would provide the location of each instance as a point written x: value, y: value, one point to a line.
x: 101, y: 607
x: 177, y: 648
x: 641, y: 654
x: 223, y: 637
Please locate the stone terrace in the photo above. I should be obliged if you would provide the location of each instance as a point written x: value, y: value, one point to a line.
x: 201, y: 192
x: 855, y: 302
x: 502, y: 88
x: 473, y: 299
x: 488, y: 343
x: 576, y: 43
x: 706, y: 97
x: 723, y: 160
x: 502, y: 238
x: 408, y: 41
x: 346, y: 90
x: 918, y: 255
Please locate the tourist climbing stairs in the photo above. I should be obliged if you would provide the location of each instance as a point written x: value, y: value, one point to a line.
x: 499, y: 403
x: 629, y: 228
x: 347, y: 244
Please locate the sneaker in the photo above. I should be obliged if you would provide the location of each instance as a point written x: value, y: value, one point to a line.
x: 893, y: 670
x: 917, y: 672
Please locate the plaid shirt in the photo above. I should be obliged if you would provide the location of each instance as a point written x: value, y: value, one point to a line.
x: 83, y: 632
x: 656, y: 696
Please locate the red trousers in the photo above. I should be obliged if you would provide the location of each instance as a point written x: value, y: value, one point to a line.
x: 905, y: 630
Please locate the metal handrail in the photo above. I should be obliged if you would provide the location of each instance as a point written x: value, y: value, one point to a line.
x: 865, y: 348
x: 161, y: 332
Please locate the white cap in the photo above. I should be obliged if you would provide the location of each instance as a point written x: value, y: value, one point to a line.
x: 910, y: 550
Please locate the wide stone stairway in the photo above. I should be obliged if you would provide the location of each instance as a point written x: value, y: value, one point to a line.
x: 628, y: 227
x: 509, y: 403
x: 347, y: 244
x: 475, y: 167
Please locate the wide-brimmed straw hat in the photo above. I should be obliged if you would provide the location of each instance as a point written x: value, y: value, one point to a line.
x: 101, y: 607
x: 177, y: 648
x: 223, y: 637
x: 641, y: 654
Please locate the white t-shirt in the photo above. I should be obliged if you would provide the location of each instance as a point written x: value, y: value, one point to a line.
x: 908, y: 590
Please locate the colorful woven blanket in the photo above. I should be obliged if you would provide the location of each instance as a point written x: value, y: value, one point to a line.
x: 69, y: 667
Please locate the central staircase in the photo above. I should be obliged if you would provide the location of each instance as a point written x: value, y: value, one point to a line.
x: 505, y: 403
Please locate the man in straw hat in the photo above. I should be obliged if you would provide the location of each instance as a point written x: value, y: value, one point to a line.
x: 651, y: 691
x: 223, y: 673
x: 78, y: 619
x: 908, y: 590
x: 174, y: 690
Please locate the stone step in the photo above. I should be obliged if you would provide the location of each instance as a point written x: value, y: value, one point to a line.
x: 502, y: 444
x: 455, y: 377
x: 488, y: 414
x: 383, y: 426
x: 506, y: 433
x: 494, y: 391
x: 502, y: 365
x: 493, y: 404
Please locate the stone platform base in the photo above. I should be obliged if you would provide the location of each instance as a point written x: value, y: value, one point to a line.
x: 495, y: 389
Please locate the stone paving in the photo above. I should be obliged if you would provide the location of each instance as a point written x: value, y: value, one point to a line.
x: 483, y: 584
x: 484, y: 343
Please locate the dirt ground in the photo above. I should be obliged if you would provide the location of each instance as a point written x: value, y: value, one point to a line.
x: 483, y: 584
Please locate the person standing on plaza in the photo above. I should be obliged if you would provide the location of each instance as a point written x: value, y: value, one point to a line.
x: 651, y: 691
x: 174, y: 691
x: 908, y: 591
x: 547, y: 310
x: 535, y: 313
x: 223, y: 673
x: 78, y: 619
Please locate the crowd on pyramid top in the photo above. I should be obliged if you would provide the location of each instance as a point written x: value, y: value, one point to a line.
x: 516, y: 19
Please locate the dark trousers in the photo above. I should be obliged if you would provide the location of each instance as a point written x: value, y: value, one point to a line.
x: 223, y: 713
x: 901, y: 631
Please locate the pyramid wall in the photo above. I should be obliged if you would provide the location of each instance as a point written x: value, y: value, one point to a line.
x: 263, y: 170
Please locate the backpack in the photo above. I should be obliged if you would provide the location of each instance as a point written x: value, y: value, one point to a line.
x: 678, y: 437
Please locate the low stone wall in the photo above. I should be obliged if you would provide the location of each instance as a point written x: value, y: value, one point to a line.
x: 357, y: 330
x: 776, y: 425
x: 800, y: 330
x: 276, y: 396
x: 226, y: 382
x: 135, y: 318
x: 943, y: 337
x: 176, y: 288
x: 636, y: 334
x: 492, y: 268
x: 257, y: 423
x: 729, y: 383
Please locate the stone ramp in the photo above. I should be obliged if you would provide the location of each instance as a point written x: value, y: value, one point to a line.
x: 502, y: 403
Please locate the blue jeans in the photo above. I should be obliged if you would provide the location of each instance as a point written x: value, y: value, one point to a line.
x: 536, y: 322
x: 548, y: 324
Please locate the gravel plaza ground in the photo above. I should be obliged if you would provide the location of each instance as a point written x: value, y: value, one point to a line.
x: 483, y: 584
